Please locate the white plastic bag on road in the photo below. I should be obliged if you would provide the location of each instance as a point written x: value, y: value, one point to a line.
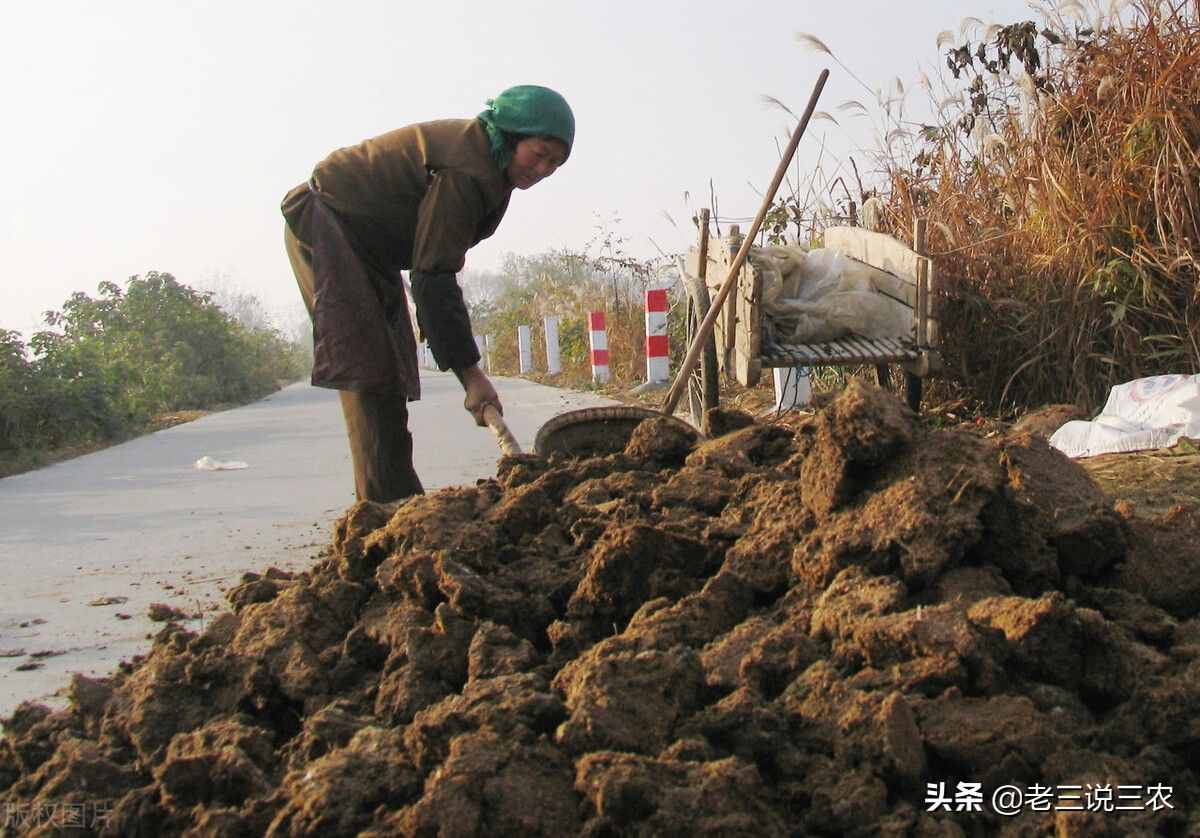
x: 207, y: 463
x: 1147, y: 413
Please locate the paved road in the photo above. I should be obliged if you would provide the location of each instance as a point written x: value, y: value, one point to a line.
x: 138, y: 524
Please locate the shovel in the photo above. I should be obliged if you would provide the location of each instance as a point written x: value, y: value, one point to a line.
x: 587, y: 432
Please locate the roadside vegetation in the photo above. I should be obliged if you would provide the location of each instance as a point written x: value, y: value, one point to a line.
x: 118, y: 364
x: 1059, y: 173
x: 1058, y: 164
x: 569, y: 285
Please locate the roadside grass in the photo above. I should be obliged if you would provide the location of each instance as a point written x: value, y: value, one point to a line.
x: 30, y: 459
x: 1062, y: 204
x: 19, y: 461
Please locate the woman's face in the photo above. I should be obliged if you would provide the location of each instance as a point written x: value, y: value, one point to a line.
x: 535, y: 159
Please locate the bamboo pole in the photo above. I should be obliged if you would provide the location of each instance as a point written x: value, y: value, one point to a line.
x: 702, y: 270
x: 702, y: 334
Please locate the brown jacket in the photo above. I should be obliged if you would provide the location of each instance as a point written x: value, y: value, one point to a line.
x: 418, y: 197
x: 415, y: 198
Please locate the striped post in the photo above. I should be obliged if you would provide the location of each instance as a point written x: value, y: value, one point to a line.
x: 525, y: 349
x: 487, y: 353
x: 599, y: 335
x: 553, y: 360
x: 657, y: 363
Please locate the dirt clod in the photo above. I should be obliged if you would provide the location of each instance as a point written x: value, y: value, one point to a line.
x: 160, y: 612
x: 1045, y: 421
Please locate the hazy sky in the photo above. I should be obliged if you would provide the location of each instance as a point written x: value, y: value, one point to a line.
x: 148, y: 135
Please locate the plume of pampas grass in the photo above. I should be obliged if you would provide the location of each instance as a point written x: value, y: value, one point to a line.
x: 1074, y: 7
x: 771, y: 101
x: 967, y: 24
x: 949, y: 102
x: 814, y: 43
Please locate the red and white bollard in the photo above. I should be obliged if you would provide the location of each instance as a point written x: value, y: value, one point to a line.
x: 599, y: 335
x: 657, y: 362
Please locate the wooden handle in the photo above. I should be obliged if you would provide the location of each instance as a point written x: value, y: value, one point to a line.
x: 504, y: 438
x: 702, y: 333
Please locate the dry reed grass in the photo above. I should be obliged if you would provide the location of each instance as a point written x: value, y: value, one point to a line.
x: 1068, y: 238
x: 1061, y: 178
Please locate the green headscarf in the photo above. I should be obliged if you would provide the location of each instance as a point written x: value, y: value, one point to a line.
x: 529, y: 110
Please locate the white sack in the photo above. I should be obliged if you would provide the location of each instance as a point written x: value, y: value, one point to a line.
x: 1142, y: 414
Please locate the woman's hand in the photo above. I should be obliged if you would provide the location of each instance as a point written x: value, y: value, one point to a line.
x: 480, y: 393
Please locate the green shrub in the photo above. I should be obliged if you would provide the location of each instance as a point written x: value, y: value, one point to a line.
x: 109, y: 364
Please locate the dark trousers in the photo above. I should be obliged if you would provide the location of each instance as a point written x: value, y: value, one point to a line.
x: 376, y: 422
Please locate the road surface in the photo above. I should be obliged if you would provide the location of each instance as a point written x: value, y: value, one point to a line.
x: 87, y: 545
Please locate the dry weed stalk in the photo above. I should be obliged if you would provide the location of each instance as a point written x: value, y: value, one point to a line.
x: 1070, y: 236
x: 1061, y: 180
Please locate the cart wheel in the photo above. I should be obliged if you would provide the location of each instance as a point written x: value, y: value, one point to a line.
x: 703, y: 384
x: 912, y: 385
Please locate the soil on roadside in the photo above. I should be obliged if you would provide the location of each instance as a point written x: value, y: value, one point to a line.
x: 799, y: 627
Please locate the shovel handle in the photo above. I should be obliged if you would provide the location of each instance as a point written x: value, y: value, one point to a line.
x: 714, y: 310
x: 504, y: 438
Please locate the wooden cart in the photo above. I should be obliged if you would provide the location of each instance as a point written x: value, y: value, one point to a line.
x: 736, y: 349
